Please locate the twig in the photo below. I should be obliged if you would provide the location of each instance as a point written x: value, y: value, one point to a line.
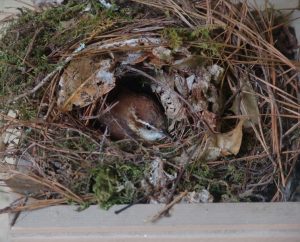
x: 130, y: 205
x: 30, y: 46
x: 168, y: 207
x: 37, y: 87
x: 17, y: 214
x: 42, y: 82
x: 182, y: 171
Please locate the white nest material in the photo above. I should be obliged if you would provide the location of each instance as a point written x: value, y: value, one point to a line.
x: 47, y: 3
x: 170, y: 101
x: 141, y: 41
x: 173, y: 108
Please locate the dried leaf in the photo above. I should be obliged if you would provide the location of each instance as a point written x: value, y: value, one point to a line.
x: 158, y: 177
x: 211, y: 153
x: 246, y: 103
x: 202, y: 196
x: 189, y: 64
x: 162, y: 53
x: 84, y: 81
x: 223, y: 144
x: 169, y: 99
x: 230, y: 142
x: 216, y: 72
x: 21, y: 183
x: 134, y: 58
x: 249, y: 104
x: 199, y: 84
x: 124, y: 43
x: 210, y: 119
x: 181, y: 85
x: 157, y: 63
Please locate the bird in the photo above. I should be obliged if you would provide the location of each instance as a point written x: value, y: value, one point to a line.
x: 135, y: 115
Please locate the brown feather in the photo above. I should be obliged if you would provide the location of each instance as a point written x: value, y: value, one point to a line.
x: 129, y: 105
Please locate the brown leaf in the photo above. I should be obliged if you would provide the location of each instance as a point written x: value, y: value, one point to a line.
x: 223, y: 144
x: 84, y: 81
x: 246, y: 103
x: 230, y: 142
x: 156, y: 62
x: 249, y: 104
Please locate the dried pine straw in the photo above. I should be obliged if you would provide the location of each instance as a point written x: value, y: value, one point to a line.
x: 73, y: 161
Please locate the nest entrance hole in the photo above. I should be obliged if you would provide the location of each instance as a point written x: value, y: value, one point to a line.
x: 131, y: 82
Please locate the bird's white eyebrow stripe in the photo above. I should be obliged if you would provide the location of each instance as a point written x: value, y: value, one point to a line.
x: 145, y: 123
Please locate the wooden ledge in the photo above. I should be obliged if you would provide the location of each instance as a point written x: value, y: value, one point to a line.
x: 198, y: 222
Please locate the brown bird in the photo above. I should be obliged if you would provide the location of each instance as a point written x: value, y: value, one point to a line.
x: 135, y: 116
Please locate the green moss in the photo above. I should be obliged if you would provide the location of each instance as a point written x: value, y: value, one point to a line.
x: 198, y: 39
x: 32, y: 45
x: 116, y: 183
x: 217, y: 189
x: 73, y: 141
x: 25, y: 46
x: 234, y: 175
x: 200, y: 32
x: 26, y: 112
x: 202, y: 40
x: 173, y: 37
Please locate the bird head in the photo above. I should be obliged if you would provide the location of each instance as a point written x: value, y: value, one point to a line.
x: 146, y: 120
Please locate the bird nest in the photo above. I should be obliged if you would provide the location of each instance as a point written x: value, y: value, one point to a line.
x: 221, y: 73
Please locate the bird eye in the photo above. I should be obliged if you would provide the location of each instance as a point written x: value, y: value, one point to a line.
x: 148, y: 127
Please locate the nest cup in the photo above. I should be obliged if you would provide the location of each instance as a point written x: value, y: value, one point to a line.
x: 222, y: 79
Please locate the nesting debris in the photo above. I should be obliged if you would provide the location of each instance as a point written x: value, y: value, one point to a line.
x: 230, y: 99
x: 84, y: 81
x: 173, y: 107
x: 47, y: 3
x: 198, y: 197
